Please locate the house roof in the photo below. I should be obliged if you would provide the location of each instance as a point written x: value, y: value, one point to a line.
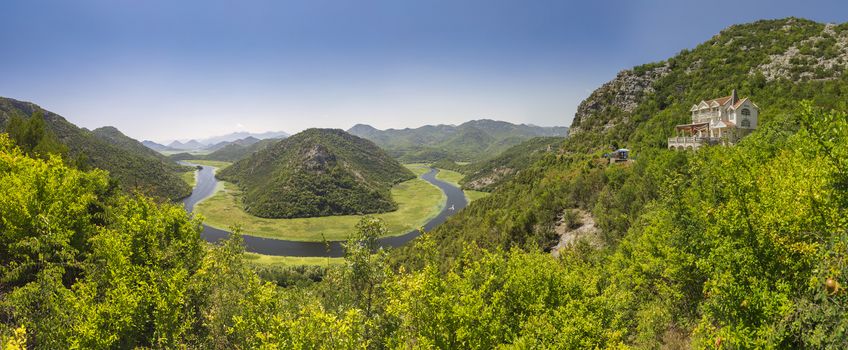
x: 712, y: 103
x: 721, y: 100
x: 739, y: 103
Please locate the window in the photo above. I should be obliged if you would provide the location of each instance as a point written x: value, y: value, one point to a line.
x: 746, y: 123
x: 746, y: 111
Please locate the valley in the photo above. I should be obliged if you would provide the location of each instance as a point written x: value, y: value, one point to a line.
x: 695, y: 201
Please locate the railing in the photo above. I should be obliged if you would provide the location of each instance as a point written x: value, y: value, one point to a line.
x: 693, y: 141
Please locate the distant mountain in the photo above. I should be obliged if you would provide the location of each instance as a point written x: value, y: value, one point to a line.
x: 187, y: 146
x: 236, y: 151
x: 471, y: 141
x: 134, y: 166
x: 317, y: 172
x: 228, y: 151
x: 155, y: 146
x: 241, y: 135
x: 218, y: 142
x: 247, y: 141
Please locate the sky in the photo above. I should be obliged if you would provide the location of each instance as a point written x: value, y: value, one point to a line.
x: 164, y: 70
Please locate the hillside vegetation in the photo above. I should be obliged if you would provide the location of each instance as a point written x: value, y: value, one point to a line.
x: 486, y: 175
x: 470, y: 141
x: 318, y: 172
x: 131, y: 164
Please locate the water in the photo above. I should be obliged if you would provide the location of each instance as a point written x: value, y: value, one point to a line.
x: 206, y: 184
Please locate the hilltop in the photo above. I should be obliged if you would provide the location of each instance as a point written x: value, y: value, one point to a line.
x: 317, y: 172
x: 470, y: 141
x: 134, y: 166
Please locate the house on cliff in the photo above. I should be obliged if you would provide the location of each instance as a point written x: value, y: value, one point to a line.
x: 722, y: 120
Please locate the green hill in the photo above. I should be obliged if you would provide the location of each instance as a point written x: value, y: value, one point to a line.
x: 488, y: 174
x: 318, y: 172
x: 134, y: 166
x: 471, y: 141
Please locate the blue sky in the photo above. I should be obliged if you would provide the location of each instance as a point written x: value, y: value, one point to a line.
x: 188, y: 69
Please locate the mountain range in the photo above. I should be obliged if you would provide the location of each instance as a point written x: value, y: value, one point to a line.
x: 216, y: 142
x: 470, y: 141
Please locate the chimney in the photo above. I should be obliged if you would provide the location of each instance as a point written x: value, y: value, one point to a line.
x: 733, y: 97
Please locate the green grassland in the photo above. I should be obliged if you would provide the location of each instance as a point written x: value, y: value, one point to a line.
x: 273, y: 260
x: 214, y: 163
x: 453, y: 178
x: 190, y: 177
x: 473, y: 195
x: 418, y: 168
x: 418, y: 202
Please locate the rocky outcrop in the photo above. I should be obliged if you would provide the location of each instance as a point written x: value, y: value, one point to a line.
x: 493, y: 177
x: 820, y: 57
x: 623, y: 94
x: 581, y: 226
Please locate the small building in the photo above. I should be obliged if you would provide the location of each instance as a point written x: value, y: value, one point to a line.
x: 619, y: 155
x: 722, y: 120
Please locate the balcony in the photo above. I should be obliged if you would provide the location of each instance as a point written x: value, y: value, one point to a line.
x: 693, y: 142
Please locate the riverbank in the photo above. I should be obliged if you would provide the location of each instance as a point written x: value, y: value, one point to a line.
x: 453, y: 178
x: 207, y: 186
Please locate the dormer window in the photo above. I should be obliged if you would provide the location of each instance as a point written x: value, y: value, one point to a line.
x: 746, y: 112
x: 745, y: 122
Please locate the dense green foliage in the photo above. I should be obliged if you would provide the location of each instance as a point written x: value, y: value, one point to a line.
x: 731, y: 245
x: 471, y: 141
x: 318, y: 172
x: 133, y: 166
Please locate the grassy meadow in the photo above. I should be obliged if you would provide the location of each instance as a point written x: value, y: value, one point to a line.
x: 274, y: 260
x: 214, y: 163
x: 190, y: 177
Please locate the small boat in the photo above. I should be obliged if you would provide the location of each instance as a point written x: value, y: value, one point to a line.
x: 452, y: 207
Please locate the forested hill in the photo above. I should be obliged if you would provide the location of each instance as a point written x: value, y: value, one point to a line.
x: 134, y: 166
x: 486, y: 175
x: 727, y: 247
x: 471, y: 141
x: 317, y: 172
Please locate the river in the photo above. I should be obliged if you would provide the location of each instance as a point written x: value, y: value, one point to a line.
x: 205, y: 187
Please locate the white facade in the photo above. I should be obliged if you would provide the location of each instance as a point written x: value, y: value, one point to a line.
x: 720, y: 120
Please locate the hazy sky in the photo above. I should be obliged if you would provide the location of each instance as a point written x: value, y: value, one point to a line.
x: 188, y: 69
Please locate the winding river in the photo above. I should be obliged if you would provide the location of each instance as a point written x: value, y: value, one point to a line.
x: 206, y: 184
